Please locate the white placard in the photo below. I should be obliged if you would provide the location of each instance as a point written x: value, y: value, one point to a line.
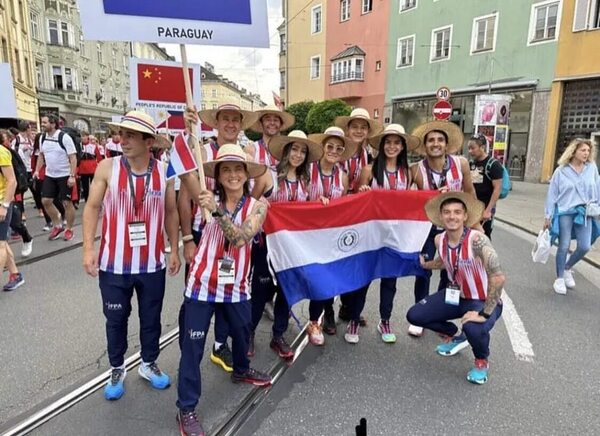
x: 240, y: 23
x: 8, y: 103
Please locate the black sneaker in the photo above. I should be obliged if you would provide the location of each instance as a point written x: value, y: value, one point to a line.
x: 329, y: 326
x: 250, y: 352
x: 252, y: 377
x: 189, y: 425
x: 281, y: 347
x: 222, y: 357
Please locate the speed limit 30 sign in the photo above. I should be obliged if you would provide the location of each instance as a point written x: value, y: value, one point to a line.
x: 443, y: 93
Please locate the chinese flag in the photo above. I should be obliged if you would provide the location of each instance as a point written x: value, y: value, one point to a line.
x: 162, y: 83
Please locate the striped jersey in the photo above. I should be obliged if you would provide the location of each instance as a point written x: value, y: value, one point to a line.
x: 286, y: 190
x: 202, y: 281
x: 392, y: 181
x: 353, y: 167
x: 471, y: 276
x: 453, y: 175
x: 116, y: 255
x: 331, y: 187
x: 262, y: 155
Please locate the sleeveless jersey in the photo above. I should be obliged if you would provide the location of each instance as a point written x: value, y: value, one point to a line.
x: 471, y: 276
x: 202, y: 281
x: 285, y: 191
x: 262, y: 155
x: 396, y: 181
x: 116, y: 255
x: 454, y: 176
x: 353, y: 167
x: 331, y: 187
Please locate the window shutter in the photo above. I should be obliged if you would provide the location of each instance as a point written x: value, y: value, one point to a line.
x: 581, y: 18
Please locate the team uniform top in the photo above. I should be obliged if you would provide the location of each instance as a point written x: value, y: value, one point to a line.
x: 331, y: 187
x: 392, y: 181
x: 286, y: 190
x: 116, y: 254
x: 353, y: 167
x: 451, y: 176
x: 471, y: 276
x: 262, y: 155
x: 203, y: 283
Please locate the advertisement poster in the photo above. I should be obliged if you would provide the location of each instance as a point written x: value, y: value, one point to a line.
x: 8, y: 104
x: 492, y: 115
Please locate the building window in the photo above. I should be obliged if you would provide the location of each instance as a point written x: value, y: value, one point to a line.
x: 595, y: 24
x: 345, y: 70
x: 367, y: 6
x: 282, y: 79
x: 315, y: 67
x: 406, y: 5
x: 115, y: 60
x: 378, y: 66
x: 64, y: 30
x: 375, y: 113
x: 203, y: 106
x: 282, y: 43
x: 19, y: 75
x: 82, y: 47
x: 39, y: 74
x: 214, y: 93
x: 316, y: 20
x: 484, y: 33
x: 99, y: 53
x: 405, y: 51
x: 440, y: 43
x: 57, y: 77
x: 22, y: 13
x: 53, y: 32
x: 214, y: 105
x: 4, y: 50
x: 544, y: 21
x: 69, y: 79
x: 344, y: 10
x: 27, y: 72
x: 35, y: 25
x: 86, y: 86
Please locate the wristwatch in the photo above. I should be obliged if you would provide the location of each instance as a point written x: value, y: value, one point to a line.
x: 485, y: 315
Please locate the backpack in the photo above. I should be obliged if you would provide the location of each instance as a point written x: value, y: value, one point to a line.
x: 506, y: 183
x: 20, y: 172
x: 74, y: 135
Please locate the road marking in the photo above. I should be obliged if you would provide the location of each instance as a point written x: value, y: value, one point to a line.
x: 516, y: 331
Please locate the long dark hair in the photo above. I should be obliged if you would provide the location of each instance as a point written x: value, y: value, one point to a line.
x: 284, y: 165
x: 220, y: 190
x: 378, y: 169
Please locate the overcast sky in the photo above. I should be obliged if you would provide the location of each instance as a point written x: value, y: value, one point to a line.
x: 257, y: 70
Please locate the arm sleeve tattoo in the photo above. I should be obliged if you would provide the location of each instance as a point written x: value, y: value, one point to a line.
x: 483, y: 249
x: 239, y: 236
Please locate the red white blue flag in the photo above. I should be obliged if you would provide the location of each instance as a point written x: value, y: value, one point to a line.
x: 181, y: 158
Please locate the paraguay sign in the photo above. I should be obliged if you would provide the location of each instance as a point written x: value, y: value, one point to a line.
x: 241, y: 23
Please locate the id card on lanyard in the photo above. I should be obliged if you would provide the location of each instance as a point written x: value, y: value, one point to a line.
x: 453, y: 288
x: 136, y: 230
x: 226, y: 265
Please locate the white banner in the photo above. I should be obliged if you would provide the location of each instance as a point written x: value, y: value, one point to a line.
x: 241, y: 23
x: 8, y: 103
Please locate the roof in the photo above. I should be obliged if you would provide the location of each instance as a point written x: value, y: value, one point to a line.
x: 349, y: 52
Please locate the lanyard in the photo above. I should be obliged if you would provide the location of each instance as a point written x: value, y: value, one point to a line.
x: 326, y: 191
x: 137, y: 206
x: 232, y: 216
x: 429, y: 171
x: 455, y: 263
x: 292, y: 189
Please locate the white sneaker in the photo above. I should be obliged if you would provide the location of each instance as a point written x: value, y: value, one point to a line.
x: 560, y: 287
x: 415, y: 331
x: 27, y: 248
x: 569, y: 280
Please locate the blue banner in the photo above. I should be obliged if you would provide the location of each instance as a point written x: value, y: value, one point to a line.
x: 223, y: 11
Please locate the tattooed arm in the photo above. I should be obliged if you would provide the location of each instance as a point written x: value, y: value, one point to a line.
x: 240, y: 236
x: 482, y: 248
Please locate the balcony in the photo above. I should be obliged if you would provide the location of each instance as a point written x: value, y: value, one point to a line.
x: 348, y: 76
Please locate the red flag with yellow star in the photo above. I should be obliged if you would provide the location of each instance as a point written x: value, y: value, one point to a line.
x: 162, y: 83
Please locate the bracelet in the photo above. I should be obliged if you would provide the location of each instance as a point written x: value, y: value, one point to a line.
x: 485, y: 315
x: 187, y: 238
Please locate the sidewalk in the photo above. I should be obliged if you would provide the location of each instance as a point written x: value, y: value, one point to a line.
x: 524, y: 208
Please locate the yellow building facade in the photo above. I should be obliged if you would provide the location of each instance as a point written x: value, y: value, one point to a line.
x: 15, y: 49
x: 218, y: 90
x: 303, y: 59
x: 575, y: 96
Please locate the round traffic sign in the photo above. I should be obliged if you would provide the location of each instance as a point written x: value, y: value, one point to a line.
x: 443, y: 93
x: 442, y: 110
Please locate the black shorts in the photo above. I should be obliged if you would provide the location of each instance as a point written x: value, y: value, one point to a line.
x: 56, y: 188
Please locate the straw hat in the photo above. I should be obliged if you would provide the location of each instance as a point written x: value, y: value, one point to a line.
x: 336, y: 132
x: 209, y: 116
x: 287, y: 119
x: 412, y: 142
x: 455, y: 135
x: 233, y: 153
x: 278, y: 143
x: 474, y: 207
x: 359, y: 113
x: 143, y: 123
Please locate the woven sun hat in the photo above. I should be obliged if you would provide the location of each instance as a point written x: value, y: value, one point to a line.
x: 209, y: 116
x: 278, y: 143
x: 143, y: 123
x: 287, y: 119
x: 474, y: 207
x: 412, y: 142
x: 359, y: 113
x: 233, y: 153
x: 455, y: 135
x: 336, y: 132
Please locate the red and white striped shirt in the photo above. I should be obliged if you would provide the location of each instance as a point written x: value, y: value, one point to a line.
x: 285, y: 191
x: 202, y: 282
x: 116, y: 255
x: 471, y: 276
x: 353, y: 167
x: 392, y: 181
x: 454, y: 175
x: 331, y: 187
x: 262, y: 155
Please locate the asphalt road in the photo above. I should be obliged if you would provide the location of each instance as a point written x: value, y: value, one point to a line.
x: 54, y: 339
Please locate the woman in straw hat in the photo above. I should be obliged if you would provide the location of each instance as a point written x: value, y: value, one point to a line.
x: 358, y: 126
x: 219, y: 276
x: 476, y: 282
x: 328, y: 181
x: 389, y: 171
x: 287, y: 183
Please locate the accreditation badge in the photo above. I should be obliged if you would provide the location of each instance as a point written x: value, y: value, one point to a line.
x: 137, y: 234
x: 453, y: 295
x: 226, y: 271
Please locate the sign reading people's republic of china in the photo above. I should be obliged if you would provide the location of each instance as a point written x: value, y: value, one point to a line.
x: 241, y: 23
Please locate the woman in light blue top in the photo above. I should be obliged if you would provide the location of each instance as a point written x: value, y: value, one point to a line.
x: 574, y: 184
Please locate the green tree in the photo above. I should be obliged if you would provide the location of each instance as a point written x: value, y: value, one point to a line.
x: 322, y: 114
x: 252, y: 135
x: 300, y: 111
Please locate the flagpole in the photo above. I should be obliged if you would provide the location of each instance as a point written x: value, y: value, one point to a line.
x: 192, y: 128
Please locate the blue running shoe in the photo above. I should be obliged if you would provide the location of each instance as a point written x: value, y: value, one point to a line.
x: 152, y: 373
x: 115, y: 388
x: 479, y: 373
x: 452, y: 345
